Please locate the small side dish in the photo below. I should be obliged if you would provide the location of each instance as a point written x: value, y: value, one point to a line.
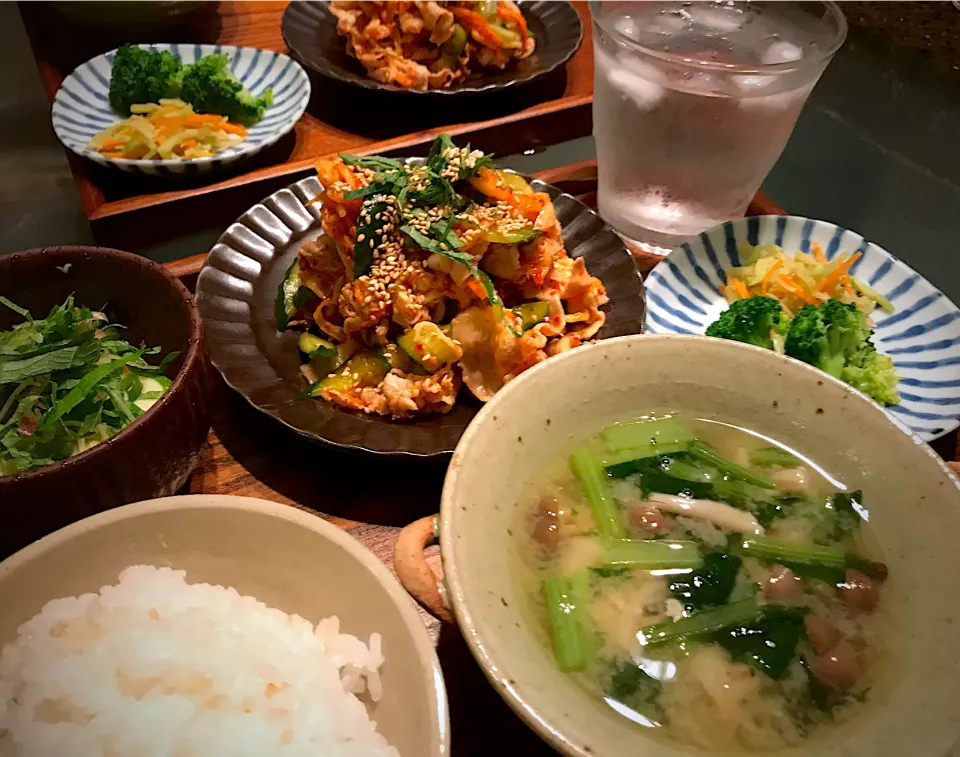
x: 428, y: 275
x: 811, y: 309
x: 432, y: 45
x: 176, y: 111
x: 69, y: 382
x: 154, y: 665
x: 705, y: 583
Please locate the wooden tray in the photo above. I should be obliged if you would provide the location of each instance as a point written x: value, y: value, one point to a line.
x: 249, y: 455
x: 552, y: 110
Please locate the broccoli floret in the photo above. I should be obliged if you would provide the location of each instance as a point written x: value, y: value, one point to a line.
x: 143, y: 76
x: 873, y: 374
x: 828, y: 335
x: 210, y: 87
x: 755, y: 320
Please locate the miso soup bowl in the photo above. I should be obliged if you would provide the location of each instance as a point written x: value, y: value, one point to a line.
x: 914, y: 512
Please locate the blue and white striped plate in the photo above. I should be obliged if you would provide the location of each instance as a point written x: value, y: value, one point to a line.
x: 922, y: 336
x: 82, y: 107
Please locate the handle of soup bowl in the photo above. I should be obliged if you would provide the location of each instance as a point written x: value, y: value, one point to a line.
x: 410, y: 564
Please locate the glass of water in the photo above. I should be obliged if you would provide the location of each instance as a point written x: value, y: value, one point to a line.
x: 693, y: 103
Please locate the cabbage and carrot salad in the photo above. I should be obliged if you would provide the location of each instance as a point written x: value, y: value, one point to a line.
x: 432, y: 45
x: 168, y: 130
x: 429, y: 276
x: 800, y: 279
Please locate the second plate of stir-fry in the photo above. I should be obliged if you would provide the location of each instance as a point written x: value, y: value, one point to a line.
x: 444, y: 47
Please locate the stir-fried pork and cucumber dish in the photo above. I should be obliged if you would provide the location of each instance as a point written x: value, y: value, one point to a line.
x: 702, y: 580
x: 429, y: 276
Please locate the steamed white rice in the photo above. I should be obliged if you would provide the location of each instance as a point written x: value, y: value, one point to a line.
x: 156, y: 667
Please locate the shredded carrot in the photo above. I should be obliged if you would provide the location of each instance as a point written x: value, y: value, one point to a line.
x: 768, y: 277
x: 818, y: 253
x: 114, y: 155
x: 848, y: 286
x: 529, y: 205
x: 168, y: 124
x: 189, y: 144
x: 200, y: 119
x: 740, y: 289
x: 109, y: 144
x: 511, y: 14
x: 347, y: 175
x: 831, y: 281
x: 234, y: 128
x: 476, y: 288
x: 478, y: 27
x: 489, y: 183
x: 789, y: 283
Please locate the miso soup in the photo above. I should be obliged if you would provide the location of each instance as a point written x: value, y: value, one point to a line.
x: 707, y: 582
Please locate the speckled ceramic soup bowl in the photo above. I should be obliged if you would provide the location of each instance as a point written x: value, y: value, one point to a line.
x: 914, y: 507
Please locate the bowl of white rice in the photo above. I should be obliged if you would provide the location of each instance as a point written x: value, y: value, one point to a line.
x: 212, y: 625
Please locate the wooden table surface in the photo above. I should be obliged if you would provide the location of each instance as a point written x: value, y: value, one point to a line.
x: 248, y: 454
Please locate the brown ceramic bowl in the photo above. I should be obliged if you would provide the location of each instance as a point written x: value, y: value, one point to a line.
x: 154, y: 455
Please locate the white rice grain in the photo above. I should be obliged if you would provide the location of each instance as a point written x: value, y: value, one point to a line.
x: 156, y: 667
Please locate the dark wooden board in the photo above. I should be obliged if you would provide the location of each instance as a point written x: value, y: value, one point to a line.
x: 339, y: 118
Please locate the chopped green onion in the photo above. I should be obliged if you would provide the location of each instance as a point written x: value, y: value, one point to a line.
x: 568, y: 613
x: 682, y: 468
x: 772, y: 550
x: 659, y: 554
x: 700, y: 624
x: 828, y: 564
x: 630, y: 454
x: 596, y: 488
x: 650, y: 437
x: 773, y: 457
x: 728, y: 467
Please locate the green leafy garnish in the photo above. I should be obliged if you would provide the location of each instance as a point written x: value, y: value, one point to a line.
x: 369, y: 234
x: 375, y: 162
x: 433, y: 245
x: 67, y: 383
x: 433, y: 186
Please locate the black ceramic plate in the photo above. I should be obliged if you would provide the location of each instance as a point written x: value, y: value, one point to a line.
x: 310, y: 31
x: 237, y: 290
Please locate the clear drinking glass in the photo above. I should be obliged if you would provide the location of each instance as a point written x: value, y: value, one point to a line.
x: 693, y: 103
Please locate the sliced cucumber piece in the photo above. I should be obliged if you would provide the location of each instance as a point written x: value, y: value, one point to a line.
x: 429, y: 346
x: 291, y: 295
x: 151, y: 390
x: 510, y: 237
x: 514, y: 181
x: 398, y: 359
x: 364, y: 369
x: 509, y: 39
x: 453, y: 47
x: 323, y: 365
x: 313, y: 346
x: 532, y: 313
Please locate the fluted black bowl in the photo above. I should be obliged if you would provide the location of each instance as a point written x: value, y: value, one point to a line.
x: 237, y: 289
